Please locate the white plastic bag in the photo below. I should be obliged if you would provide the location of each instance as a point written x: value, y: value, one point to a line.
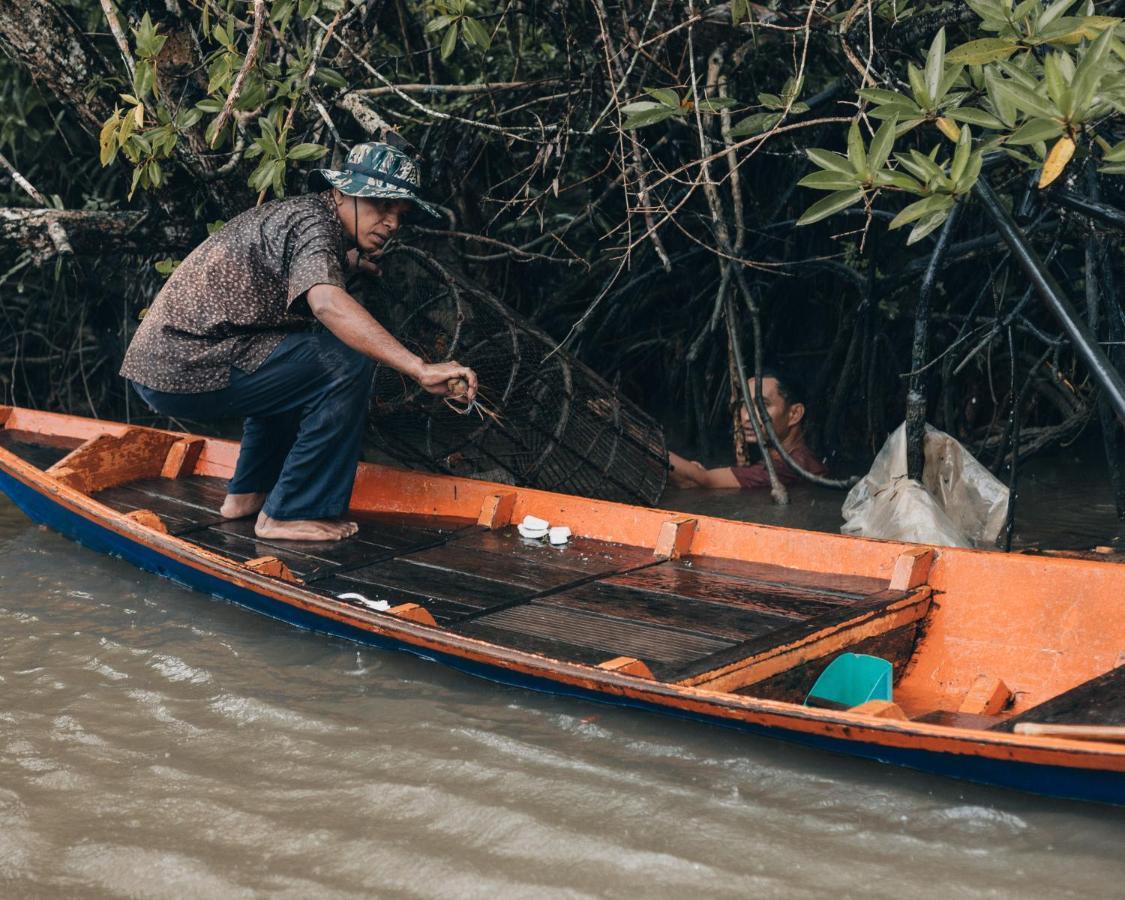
x: 958, y: 504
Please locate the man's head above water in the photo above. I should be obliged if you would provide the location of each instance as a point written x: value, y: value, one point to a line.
x: 784, y: 398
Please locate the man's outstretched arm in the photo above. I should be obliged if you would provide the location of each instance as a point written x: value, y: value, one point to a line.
x: 689, y: 474
x: 346, y: 318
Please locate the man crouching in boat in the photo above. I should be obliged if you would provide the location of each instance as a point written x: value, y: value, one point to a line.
x: 785, y: 403
x: 232, y: 334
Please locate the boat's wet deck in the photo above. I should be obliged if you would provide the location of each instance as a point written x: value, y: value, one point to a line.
x: 588, y: 601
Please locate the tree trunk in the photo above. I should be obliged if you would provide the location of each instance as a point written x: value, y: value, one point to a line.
x: 45, y: 40
x: 90, y: 232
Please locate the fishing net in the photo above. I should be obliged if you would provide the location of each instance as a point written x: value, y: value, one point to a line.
x: 545, y: 420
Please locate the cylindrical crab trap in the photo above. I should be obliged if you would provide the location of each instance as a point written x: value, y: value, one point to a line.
x: 544, y: 420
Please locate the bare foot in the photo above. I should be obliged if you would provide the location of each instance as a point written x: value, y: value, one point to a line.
x: 235, y: 506
x: 303, y: 529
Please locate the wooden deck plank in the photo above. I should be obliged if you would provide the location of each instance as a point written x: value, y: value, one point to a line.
x: 765, y: 597
x: 41, y: 450
x: 239, y: 548
x: 544, y: 627
x: 179, y: 516
x: 581, y: 555
x: 719, y: 621
x: 443, y: 611
x: 538, y: 569
x: 793, y: 633
x: 848, y: 587
x: 434, y: 583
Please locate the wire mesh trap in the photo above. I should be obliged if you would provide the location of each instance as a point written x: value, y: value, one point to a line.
x: 544, y: 419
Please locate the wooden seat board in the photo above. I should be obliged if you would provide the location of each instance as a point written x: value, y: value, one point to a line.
x: 1099, y: 701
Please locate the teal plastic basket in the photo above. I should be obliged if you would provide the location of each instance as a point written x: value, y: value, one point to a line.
x: 852, y: 679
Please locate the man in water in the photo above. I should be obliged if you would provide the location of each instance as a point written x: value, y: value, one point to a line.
x: 785, y: 404
x: 234, y: 333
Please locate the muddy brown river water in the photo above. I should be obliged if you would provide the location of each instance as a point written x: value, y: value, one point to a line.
x: 158, y: 743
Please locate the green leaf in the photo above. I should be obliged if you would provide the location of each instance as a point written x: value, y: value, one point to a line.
x: 1052, y: 12
x: 1027, y: 101
x: 927, y: 225
x: 307, y: 151
x: 918, y: 87
x: 477, y: 33
x: 881, y: 96
x: 935, y: 64
x: 650, y: 117
x: 437, y: 24
x: 137, y: 172
x: 834, y: 162
x: 1072, y: 30
x: 1001, y: 103
x: 330, y: 77
x: 900, y: 180
x: 755, y: 124
x: 1034, y: 130
x: 714, y: 104
x: 907, y: 125
x: 909, y: 110
x: 982, y: 52
x: 970, y: 115
x: 882, y: 144
x: 920, y: 208
x: 961, y: 154
x: 830, y: 205
x: 449, y: 42
x: 1116, y: 153
x: 665, y: 96
x: 1087, y: 77
x: 826, y: 180
x: 972, y: 172
x: 1055, y: 82
x: 920, y: 166
x: 857, y: 154
x: 771, y: 101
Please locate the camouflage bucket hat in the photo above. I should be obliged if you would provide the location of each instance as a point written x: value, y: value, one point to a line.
x: 376, y: 170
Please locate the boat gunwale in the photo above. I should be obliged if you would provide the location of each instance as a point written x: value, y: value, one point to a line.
x: 759, y: 712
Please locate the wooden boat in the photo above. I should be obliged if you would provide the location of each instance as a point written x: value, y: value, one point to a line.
x: 723, y: 622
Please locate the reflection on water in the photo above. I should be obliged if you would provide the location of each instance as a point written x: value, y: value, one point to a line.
x: 156, y: 743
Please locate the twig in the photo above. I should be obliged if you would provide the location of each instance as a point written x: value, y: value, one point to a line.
x: 247, y: 65
x: 119, y: 37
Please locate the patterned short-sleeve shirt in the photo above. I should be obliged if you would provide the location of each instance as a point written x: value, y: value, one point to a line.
x: 233, y: 300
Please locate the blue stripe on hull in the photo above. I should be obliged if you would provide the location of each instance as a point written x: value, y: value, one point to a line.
x: 1054, y: 781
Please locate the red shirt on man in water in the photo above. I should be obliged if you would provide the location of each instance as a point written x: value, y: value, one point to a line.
x: 787, y: 414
